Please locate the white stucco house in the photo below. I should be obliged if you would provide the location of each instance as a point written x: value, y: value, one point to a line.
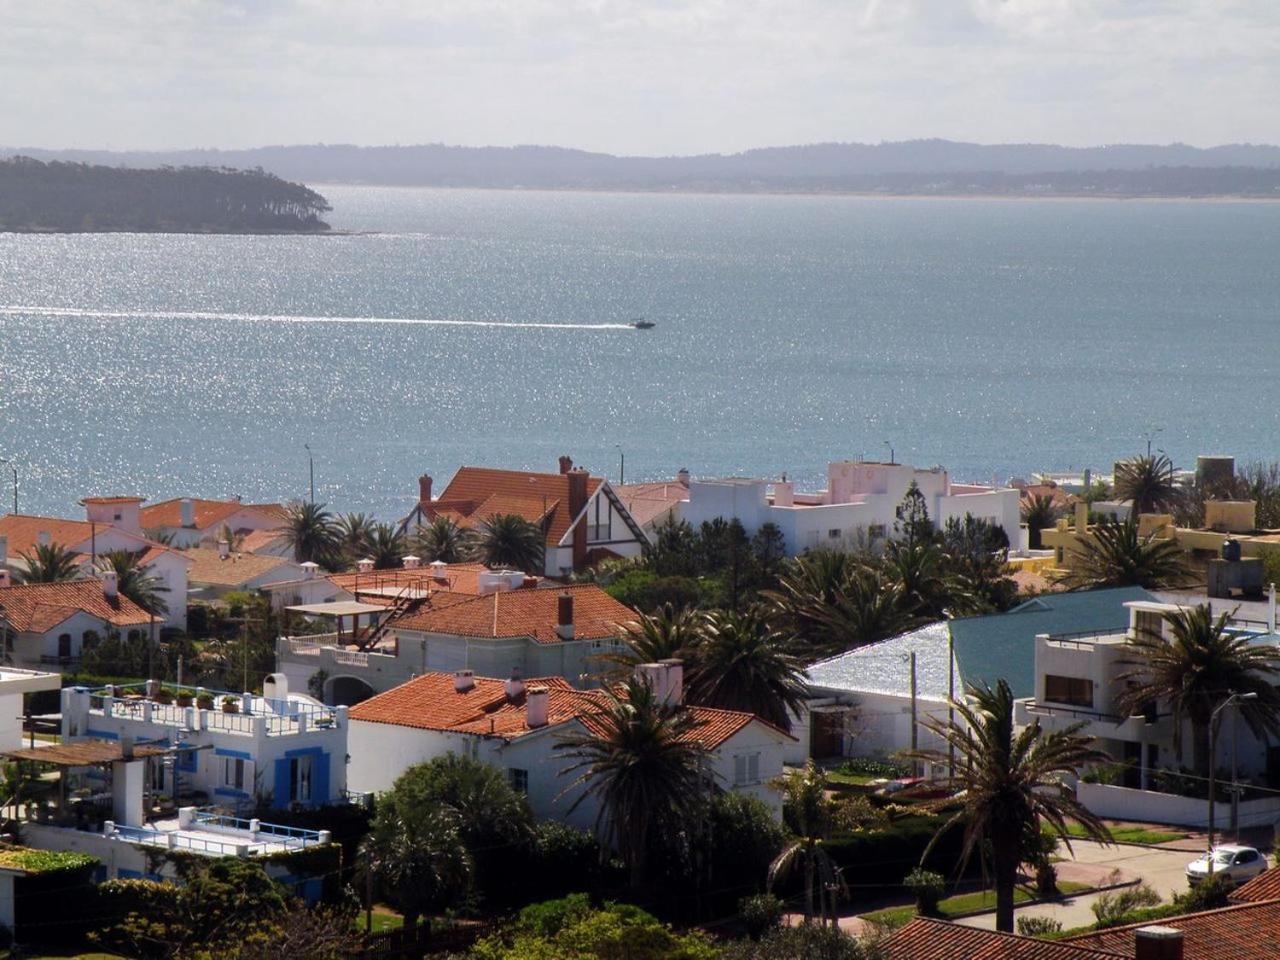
x: 858, y: 506
x: 110, y: 524
x: 49, y: 624
x: 191, y: 521
x: 515, y: 725
x: 582, y: 518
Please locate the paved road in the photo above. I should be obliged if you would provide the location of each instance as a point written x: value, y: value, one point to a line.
x: 1163, y: 870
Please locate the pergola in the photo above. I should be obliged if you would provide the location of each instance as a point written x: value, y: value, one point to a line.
x: 341, y: 609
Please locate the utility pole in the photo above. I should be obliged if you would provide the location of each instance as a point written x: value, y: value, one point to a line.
x: 1234, y: 698
x: 311, y: 471
x: 622, y: 464
x: 14, y: 469
x: 915, y: 768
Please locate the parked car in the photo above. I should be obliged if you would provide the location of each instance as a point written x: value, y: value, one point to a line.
x: 1237, y: 862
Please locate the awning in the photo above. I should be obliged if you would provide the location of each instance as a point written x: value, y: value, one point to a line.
x: 81, y: 753
x: 339, y: 608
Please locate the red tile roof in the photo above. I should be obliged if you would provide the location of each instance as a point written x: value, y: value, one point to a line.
x: 23, y: 531
x: 256, y: 540
x: 208, y: 513
x: 1249, y: 931
x: 647, y: 502
x: 476, y: 493
x: 39, y: 607
x: 430, y: 702
x: 1265, y: 886
x: 208, y: 566
x: 524, y: 613
x: 924, y: 939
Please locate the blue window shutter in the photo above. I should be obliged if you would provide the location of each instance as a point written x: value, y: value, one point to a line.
x: 283, y: 783
x: 320, y: 779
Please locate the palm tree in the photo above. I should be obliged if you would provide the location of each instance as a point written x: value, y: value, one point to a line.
x: 1194, y: 670
x: 809, y: 586
x: 808, y: 812
x: 309, y: 529
x: 421, y: 864
x: 668, y: 633
x: 1148, y: 483
x: 440, y: 540
x: 508, y: 540
x: 743, y: 663
x: 1013, y: 785
x: 1039, y: 513
x: 47, y: 563
x: 387, y: 546
x: 636, y: 757
x: 136, y: 582
x: 1115, y: 555
x: 917, y: 567
x: 866, y: 609
x: 354, y: 533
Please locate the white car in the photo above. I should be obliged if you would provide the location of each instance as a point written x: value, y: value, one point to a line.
x: 1238, y: 863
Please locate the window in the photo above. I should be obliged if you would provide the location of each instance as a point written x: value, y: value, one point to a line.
x: 64, y: 647
x: 233, y: 773
x: 833, y: 533
x: 600, y: 521
x: 746, y: 768
x: 1246, y: 856
x: 156, y: 767
x: 1148, y: 623
x: 876, y: 531
x: 300, y: 780
x: 519, y: 780
x: 1059, y: 557
x: 1073, y: 690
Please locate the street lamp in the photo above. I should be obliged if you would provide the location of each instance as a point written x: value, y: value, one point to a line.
x: 1151, y: 435
x: 14, y: 468
x: 311, y: 471
x: 890, y: 446
x: 1234, y: 698
x: 622, y: 464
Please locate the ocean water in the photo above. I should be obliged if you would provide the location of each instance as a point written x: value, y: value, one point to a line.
x: 992, y: 337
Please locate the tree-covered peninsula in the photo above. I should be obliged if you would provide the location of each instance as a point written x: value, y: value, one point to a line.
x: 77, y: 197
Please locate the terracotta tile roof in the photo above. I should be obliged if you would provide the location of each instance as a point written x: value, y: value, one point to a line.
x: 208, y: 566
x: 208, y: 513
x: 647, y: 502
x: 525, y: 613
x: 256, y: 540
x: 1265, y: 886
x: 147, y: 556
x: 87, y: 500
x: 1059, y: 497
x: 430, y: 702
x: 475, y: 493
x: 39, y: 607
x: 1249, y: 931
x: 23, y: 531
x: 924, y: 939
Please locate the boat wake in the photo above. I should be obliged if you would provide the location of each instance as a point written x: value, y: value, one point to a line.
x: 14, y: 310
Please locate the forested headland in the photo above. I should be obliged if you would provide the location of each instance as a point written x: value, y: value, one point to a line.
x: 59, y: 197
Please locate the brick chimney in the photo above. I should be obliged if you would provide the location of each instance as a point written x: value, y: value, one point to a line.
x: 1157, y: 943
x: 424, y: 488
x: 537, y: 706
x: 566, y: 464
x: 578, y: 500
x: 564, y: 616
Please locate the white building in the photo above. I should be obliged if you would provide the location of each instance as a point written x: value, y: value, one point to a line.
x: 582, y: 518
x: 515, y: 725
x: 191, y: 521
x: 51, y: 623
x: 858, y: 507
x: 278, y: 750
x: 110, y: 524
x: 560, y: 632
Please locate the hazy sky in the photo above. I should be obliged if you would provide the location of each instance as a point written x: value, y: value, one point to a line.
x: 639, y: 77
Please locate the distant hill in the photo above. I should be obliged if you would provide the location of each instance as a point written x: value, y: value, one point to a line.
x: 78, y: 197
x: 915, y: 166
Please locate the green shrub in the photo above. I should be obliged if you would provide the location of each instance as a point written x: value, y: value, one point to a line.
x: 1038, y: 926
x: 927, y: 887
x: 894, y: 851
x: 856, y: 812
x: 867, y: 766
x: 760, y: 914
x: 793, y: 943
x: 1112, y: 907
x: 1210, y: 894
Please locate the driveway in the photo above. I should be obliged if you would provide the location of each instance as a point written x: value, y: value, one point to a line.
x: 1162, y: 869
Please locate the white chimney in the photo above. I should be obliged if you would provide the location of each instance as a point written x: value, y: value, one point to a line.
x: 514, y: 686
x: 44, y: 538
x: 439, y: 570
x: 309, y: 570
x: 4, y: 577
x: 537, y: 706
x: 224, y: 549
x: 655, y: 675
x: 188, y: 508
x: 276, y: 686
x: 673, y: 681
x: 784, y: 493
x: 411, y: 562
x: 464, y: 680
x: 365, y: 565
x: 110, y: 584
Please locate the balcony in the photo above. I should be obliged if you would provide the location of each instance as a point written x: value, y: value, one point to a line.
x: 236, y: 714
x: 1106, y: 726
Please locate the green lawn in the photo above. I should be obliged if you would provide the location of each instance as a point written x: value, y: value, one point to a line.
x: 853, y: 779
x: 1132, y: 834
x: 384, y: 919
x: 963, y: 903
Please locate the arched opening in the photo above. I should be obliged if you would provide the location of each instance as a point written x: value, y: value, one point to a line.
x: 346, y: 691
